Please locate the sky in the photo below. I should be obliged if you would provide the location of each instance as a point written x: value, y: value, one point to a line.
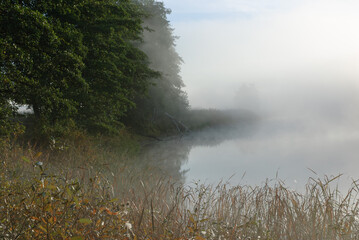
x: 288, y: 54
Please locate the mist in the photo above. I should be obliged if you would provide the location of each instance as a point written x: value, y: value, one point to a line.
x: 300, y: 57
x: 293, y: 63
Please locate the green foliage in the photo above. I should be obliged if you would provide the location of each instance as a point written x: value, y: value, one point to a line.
x: 116, y: 71
x: 73, y: 62
x: 165, y: 95
x: 41, y: 58
x: 5, y: 114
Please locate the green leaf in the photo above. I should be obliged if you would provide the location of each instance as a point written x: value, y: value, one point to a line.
x: 69, y: 192
x: 85, y: 221
x: 114, y: 200
x: 42, y: 228
x: 25, y: 159
x: 52, y: 187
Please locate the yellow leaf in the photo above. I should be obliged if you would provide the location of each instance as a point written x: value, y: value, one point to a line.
x: 48, y: 208
x: 192, y: 219
x: 38, y: 154
x: 98, y: 223
x: 42, y: 228
x: 199, y: 238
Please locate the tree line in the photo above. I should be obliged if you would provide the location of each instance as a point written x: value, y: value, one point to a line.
x: 94, y: 65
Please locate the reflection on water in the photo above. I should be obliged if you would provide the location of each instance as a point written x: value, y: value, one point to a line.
x: 291, y: 149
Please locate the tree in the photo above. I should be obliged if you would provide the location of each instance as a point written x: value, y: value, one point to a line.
x: 117, y: 72
x: 41, y: 58
x: 73, y: 62
x: 165, y: 95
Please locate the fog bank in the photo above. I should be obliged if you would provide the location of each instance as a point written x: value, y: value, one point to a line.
x: 301, y: 56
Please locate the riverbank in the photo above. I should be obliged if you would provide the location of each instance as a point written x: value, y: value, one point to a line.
x: 44, y: 200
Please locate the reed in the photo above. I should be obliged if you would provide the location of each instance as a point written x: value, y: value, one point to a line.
x: 37, y: 202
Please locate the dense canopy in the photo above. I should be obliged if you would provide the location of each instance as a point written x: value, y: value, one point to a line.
x: 86, y: 64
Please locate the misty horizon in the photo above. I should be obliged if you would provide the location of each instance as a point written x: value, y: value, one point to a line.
x: 290, y: 51
x: 294, y: 63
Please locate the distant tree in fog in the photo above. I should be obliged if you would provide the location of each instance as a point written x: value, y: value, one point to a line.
x: 166, y: 93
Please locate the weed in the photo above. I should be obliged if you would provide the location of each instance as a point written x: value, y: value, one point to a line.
x: 40, y: 199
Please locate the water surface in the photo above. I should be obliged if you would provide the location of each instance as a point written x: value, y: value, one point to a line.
x: 291, y: 148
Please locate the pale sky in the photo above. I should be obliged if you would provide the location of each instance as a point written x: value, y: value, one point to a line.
x: 290, y: 50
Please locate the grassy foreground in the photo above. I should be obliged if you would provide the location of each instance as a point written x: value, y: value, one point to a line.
x: 39, y: 203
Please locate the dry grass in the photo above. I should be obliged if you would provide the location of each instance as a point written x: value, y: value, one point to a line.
x: 90, y: 204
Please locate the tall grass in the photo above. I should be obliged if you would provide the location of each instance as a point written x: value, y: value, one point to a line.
x: 39, y: 200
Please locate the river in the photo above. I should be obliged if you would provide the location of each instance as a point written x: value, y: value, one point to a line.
x: 289, y: 148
